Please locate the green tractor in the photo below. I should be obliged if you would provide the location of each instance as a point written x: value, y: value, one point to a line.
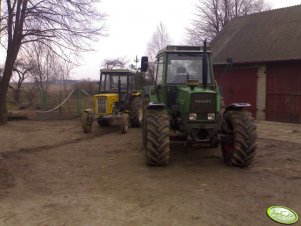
x: 119, y: 98
x: 185, y: 104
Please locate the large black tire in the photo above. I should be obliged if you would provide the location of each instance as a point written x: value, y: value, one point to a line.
x: 241, y: 151
x: 144, y: 129
x: 156, y: 137
x: 144, y: 126
x: 104, y: 122
x: 136, y: 112
x: 86, y: 122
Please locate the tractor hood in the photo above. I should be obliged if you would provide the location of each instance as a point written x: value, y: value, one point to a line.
x: 198, y: 100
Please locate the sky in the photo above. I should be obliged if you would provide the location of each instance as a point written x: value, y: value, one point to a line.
x: 130, y: 25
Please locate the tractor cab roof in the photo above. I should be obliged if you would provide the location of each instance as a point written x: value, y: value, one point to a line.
x: 183, y: 49
x: 121, y: 72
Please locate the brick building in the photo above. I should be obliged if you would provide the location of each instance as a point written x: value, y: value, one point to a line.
x: 265, y: 51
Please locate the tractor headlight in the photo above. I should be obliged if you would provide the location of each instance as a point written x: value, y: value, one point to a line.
x: 193, y: 116
x: 211, y: 116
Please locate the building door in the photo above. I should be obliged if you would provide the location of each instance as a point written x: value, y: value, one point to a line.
x: 239, y: 85
x: 283, y: 92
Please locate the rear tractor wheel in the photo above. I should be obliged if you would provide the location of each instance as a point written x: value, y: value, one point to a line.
x: 156, y: 137
x: 136, y: 112
x: 86, y: 121
x: 241, y: 150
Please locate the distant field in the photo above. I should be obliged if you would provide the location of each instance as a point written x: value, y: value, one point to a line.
x: 30, y: 97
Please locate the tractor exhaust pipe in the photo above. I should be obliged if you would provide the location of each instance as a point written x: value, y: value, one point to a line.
x: 205, y: 66
x: 119, y: 89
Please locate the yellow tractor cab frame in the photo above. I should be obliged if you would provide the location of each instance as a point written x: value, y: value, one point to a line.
x: 117, y: 98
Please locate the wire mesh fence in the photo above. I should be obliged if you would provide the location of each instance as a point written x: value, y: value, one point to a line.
x: 57, y: 102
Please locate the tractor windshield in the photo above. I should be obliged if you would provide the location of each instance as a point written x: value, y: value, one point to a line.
x: 123, y: 82
x: 184, y: 66
x: 109, y: 82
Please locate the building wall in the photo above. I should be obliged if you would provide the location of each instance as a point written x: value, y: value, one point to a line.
x: 239, y: 85
x: 261, y: 92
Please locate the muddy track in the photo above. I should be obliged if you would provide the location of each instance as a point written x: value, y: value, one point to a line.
x: 101, y: 179
x: 39, y: 148
x: 7, y: 180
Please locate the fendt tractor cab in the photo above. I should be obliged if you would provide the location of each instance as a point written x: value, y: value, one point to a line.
x: 118, y: 98
x: 185, y: 104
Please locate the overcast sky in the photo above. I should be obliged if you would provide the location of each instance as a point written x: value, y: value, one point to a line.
x: 131, y: 23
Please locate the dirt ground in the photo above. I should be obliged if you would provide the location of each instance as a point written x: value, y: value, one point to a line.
x: 52, y: 174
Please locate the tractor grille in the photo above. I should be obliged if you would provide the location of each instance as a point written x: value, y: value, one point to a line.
x: 102, y: 104
x: 202, y: 104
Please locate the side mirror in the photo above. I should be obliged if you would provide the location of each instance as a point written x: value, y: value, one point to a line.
x: 144, y: 64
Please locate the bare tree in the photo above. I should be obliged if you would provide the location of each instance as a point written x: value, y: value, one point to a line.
x: 66, y: 68
x: 23, y: 70
x: 134, y: 66
x: 212, y: 15
x: 67, y: 25
x: 45, y: 68
x: 31, y: 92
x: 159, y: 40
x: 114, y: 63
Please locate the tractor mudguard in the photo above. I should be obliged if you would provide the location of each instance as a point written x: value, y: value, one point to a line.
x: 136, y: 94
x: 88, y: 110
x: 152, y: 105
x: 237, y: 106
x: 233, y: 106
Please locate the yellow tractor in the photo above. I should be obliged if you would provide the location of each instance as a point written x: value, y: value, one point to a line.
x: 118, y: 99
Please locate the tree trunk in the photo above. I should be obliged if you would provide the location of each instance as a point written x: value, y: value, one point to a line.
x: 8, y: 70
x: 17, y: 91
x: 17, y: 94
x: 3, y: 108
x: 3, y: 90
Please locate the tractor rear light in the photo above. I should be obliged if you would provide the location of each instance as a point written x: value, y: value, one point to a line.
x: 193, y: 116
x: 211, y: 116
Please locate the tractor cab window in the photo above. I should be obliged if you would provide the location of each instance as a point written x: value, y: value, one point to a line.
x: 104, y: 82
x: 133, y: 82
x: 159, y: 70
x: 184, y: 66
x: 123, y: 82
x: 109, y: 82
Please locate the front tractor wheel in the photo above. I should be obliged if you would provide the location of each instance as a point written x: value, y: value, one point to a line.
x: 124, y: 123
x: 156, y: 137
x: 241, y: 150
x: 86, y: 121
x: 136, y: 112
